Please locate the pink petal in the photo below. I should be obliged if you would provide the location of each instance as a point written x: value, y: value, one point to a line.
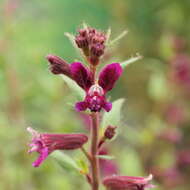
x: 107, y: 106
x: 81, y: 75
x: 109, y: 75
x: 43, y: 155
x: 81, y: 106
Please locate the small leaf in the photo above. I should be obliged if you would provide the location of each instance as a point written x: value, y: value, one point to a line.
x: 108, y: 34
x: 114, y: 116
x: 112, y: 42
x: 65, y: 161
x: 105, y: 157
x: 84, y: 167
x: 131, y: 60
x: 77, y: 91
x: 71, y: 37
x: 85, y: 25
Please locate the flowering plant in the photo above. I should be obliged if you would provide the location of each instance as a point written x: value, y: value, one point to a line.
x: 92, y: 45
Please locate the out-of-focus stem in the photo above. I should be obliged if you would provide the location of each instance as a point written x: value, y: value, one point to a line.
x: 94, y: 151
x: 86, y: 154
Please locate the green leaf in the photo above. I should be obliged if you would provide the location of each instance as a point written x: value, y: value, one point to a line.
x: 114, y: 116
x: 108, y: 34
x: 77, y: 91
x: 83, y: 165
x: 65, y: 161
x: 106, y: 157
x: 131, y: 60
x: 112, y: 42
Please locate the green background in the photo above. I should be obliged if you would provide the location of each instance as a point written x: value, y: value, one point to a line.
x: 31, y: 96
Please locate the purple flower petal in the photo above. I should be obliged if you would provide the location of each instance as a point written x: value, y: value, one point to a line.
x: 81, y: 106
x: 81, y: 75
x: 43, y: 155
x: 109, y: 75
x: 107, y: 106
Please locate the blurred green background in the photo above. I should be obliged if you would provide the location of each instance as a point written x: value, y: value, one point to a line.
x: 31, y: 96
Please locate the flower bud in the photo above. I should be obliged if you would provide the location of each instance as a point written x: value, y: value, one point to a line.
x: 58, y: 65
x: 127, y: 182
x: 110, y: 132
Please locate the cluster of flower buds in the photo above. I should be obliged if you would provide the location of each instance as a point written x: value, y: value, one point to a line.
x: 92, y: 43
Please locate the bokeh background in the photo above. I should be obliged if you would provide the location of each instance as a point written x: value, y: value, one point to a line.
x: 154, y: 132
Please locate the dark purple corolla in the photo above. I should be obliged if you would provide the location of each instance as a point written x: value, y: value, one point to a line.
x: 127, y: 182
x: 45, y: 143
x: 95, y: 98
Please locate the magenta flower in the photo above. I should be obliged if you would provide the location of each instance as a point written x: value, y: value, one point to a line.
x: 45, y: 143
x: 127, y: 182
x: 95, y: 98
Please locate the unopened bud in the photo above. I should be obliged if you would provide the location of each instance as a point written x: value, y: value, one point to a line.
x: 81, y: 41
x: 110, y: 132
x: 127, y: 183
x: 58, y: 65
x: 92, y: 43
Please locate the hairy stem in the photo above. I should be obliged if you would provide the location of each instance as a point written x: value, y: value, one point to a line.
x: 94, y: 151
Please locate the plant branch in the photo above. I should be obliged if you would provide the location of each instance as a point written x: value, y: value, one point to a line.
x: 88, y: 156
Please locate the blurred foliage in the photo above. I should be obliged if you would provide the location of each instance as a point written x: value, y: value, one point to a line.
x: 31, y: 96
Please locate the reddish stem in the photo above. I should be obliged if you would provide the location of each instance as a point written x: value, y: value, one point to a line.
x: 94, y: 151
x: 93, y: 69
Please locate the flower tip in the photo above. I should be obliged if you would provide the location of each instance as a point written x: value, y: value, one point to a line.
x: 32, y: 131
x: 150, y: 177
x: 29, y: 129
x: 49, y: 57
x: 35, y: 165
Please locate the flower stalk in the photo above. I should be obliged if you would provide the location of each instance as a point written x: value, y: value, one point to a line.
x: 94, y: 150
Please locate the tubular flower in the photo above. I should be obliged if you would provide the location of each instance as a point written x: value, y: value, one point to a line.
x: 45, y: 143
x: 127, y: 183
x: 95, y: 98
